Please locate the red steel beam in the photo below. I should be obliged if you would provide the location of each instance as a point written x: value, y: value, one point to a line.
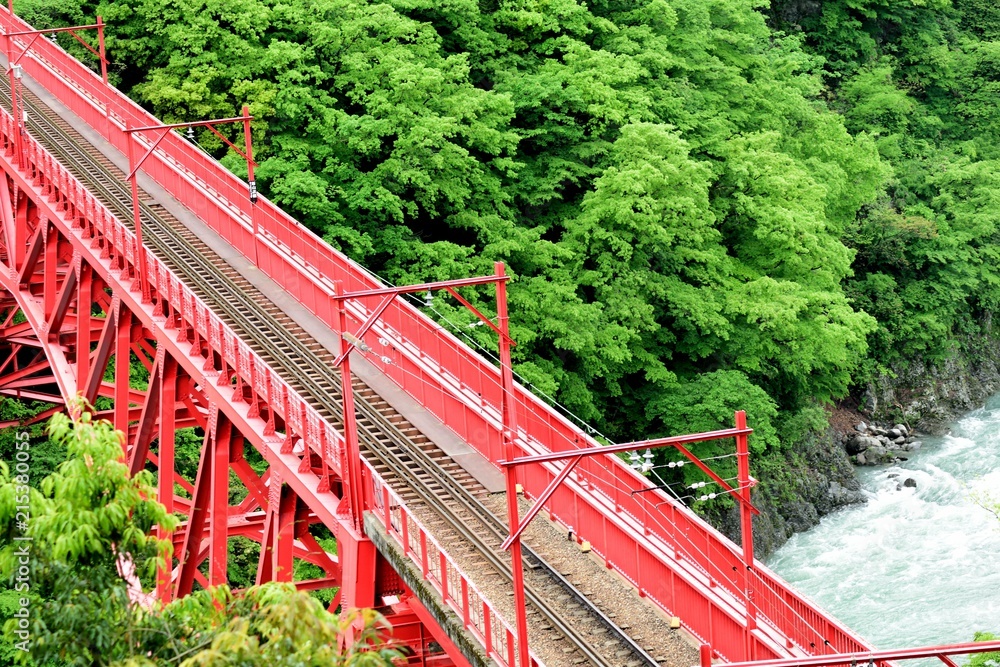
x: 628, y: 446
x: 943, y: 650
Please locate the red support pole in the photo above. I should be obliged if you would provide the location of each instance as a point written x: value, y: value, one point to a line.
x: 352, y: 453
x: 100, y: 46
x: 50, y: 275
x: 123, y: 359
x: 104, y: 78
x: 21, y: 239
x: 219, y: 502
x: 12, y: 75
x: 509, y: 413
x: 746, y: 518
x: 165, y: 481
x: 140, y: 258
x: 84, y: 301
x: 705, y: 655
x: 284, y: 549
x: 248, y: 142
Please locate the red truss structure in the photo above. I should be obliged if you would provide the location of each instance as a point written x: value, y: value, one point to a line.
x: 83, y: 299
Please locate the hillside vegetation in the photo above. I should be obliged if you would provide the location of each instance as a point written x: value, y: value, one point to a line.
x: 707, y: 204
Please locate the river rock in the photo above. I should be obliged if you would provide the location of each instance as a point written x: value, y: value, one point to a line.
x: 898, y: 441
x: 910, y: 483
x: 902, y: 429
x: 877, y: 455
x: 841, y: 495
x: 914, y: 446
x: 895, y: 433
x: 861, y: 428
x: 857, y: 443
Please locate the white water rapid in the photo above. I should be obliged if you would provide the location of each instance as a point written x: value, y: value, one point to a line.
x: 918, y: 566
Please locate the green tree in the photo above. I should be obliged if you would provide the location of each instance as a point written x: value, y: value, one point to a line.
x: 90, y: 536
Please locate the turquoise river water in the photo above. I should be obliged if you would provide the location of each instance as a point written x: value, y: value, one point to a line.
x: 912, y: 566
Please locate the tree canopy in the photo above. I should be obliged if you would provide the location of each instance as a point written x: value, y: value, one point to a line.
x: 90, y: 547
x: 704, y: 203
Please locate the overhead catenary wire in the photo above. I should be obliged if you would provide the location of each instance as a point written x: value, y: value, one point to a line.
x: 459, y: 330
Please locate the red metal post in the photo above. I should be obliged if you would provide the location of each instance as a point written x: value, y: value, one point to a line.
x: 746, y: 517
x: 140, y: 259
x: 13, y: 87
x: 165, y: 492
x: 20, y: 239
x: 104, y: 77
x: 12, y: 74
x: 35, y: 34
x: 84, y: 302
x: 251, y: 180
x: 123, y: 354
x: 705, y: 655
x: 219, y: 500
x: 284, y: 551
x: 509, y: 413
x: 49, y: 280
x: 352, y: 453
x: 100, y: 46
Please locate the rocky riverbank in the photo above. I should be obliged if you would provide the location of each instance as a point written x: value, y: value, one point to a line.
x: 871, y: 445
x: 927, y: 397
x: 815, y: 479
x: 878, y: 427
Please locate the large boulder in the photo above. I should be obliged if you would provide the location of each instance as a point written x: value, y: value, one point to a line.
x: 874, y: 456
x: 857, y: 443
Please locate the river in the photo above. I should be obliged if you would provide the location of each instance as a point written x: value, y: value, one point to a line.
x: 912, y: 566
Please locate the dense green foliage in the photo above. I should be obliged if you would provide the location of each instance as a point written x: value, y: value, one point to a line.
x: 662, y: 177
x: 90, y: 522
x: 985, y: 659
x: 707, y: 204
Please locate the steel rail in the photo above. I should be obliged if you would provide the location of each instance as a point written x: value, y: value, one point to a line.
x: 266, y: 331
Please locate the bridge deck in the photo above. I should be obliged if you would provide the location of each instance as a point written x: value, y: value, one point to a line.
x: 670, y: 555
x: 315, y: 342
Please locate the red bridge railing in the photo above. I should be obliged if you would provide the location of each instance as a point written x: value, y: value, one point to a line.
x: 436, y: 566
x: 668, y: 553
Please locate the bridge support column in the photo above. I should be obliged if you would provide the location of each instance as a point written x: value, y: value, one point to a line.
x: 357, y: 556
x: 166, y: 475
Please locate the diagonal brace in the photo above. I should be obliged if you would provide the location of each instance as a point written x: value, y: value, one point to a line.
x: 542, y: 499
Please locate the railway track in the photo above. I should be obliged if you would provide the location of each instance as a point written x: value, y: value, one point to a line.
x: 424, y: 476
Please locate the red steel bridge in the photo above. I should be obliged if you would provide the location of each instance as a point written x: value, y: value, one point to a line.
x: 374, y: 421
